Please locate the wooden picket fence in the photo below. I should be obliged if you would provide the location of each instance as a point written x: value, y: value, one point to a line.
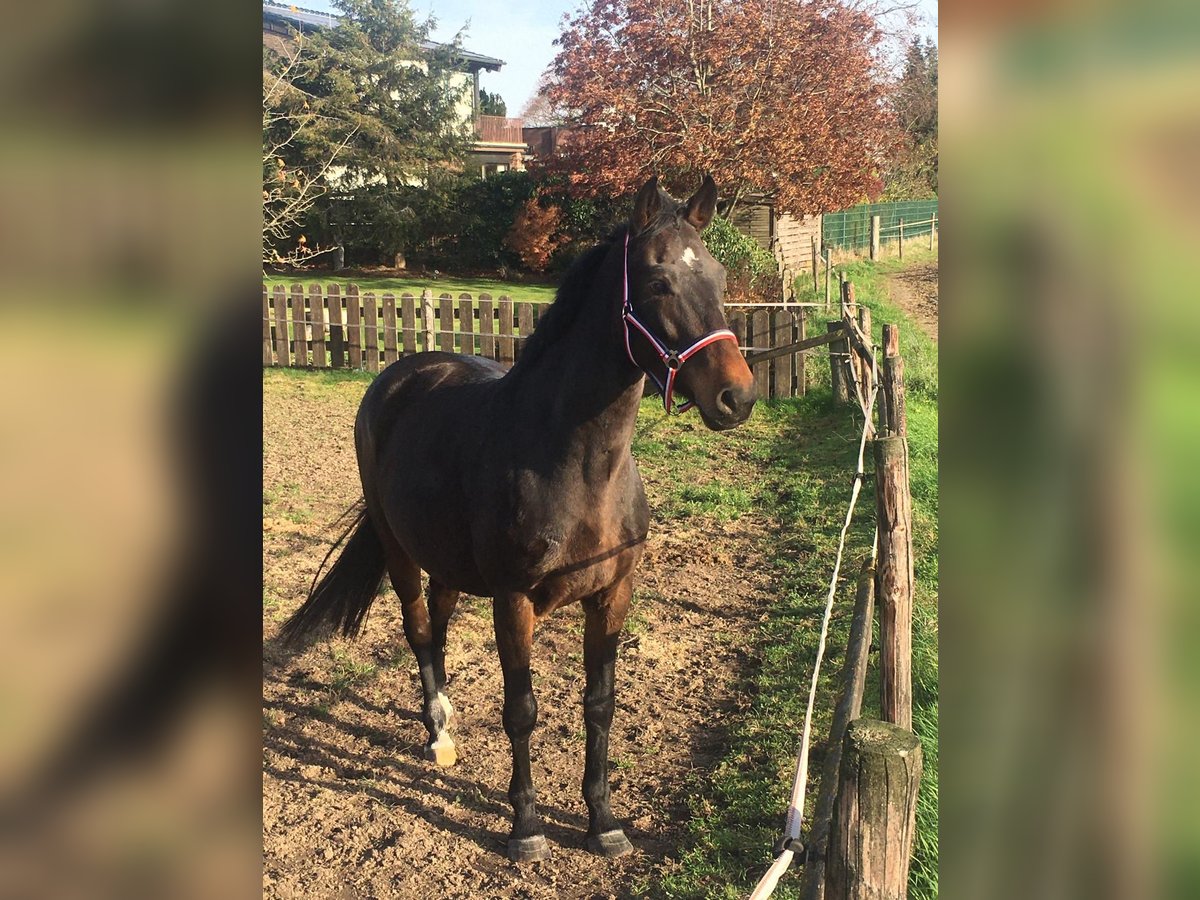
x: 324, y: 328
x: 769, y: 326
x: 340, y: 327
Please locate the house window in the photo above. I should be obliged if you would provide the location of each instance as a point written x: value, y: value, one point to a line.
x: 494, y: 169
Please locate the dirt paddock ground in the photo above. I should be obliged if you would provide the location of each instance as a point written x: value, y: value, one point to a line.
x: 350, y: 808
x: 915, y: 290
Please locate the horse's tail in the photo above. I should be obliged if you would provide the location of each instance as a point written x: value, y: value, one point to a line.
x: 342, y: 598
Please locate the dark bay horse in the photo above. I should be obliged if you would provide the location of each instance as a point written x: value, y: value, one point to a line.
x: 521, y: 486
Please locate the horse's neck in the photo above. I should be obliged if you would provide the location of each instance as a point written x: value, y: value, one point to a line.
x: 586, y: 390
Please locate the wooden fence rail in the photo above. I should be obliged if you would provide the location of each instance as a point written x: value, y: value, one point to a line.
x: 326, y: 327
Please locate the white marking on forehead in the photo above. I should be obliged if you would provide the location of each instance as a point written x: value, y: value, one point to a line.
x: 689, y: 257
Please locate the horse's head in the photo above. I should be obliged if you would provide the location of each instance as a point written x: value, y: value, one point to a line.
x: 675, y: 294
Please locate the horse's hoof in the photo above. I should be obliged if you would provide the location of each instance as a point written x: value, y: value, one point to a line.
x: 442, y: 752
x: 610, y: 843
x: 528, y: 849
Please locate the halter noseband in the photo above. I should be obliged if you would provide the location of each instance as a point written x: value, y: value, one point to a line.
x: 673, y: 361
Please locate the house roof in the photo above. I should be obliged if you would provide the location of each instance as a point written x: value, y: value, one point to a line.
x: 302, y: 18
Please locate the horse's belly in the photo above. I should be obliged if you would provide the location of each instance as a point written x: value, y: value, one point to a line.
x: 438, y: 544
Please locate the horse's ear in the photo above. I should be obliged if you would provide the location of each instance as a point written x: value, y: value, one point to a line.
x: 703, y: 204
x: 647, y: 205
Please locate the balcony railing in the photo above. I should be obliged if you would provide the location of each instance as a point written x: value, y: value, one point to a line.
x: 499, y: 130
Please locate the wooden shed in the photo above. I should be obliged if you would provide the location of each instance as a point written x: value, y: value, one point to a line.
x: 787, y: 238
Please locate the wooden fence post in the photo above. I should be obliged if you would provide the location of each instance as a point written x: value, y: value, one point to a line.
x: 838, y: 353
x: 507, y: 347
x: 828, y: 267
x: 446, y: 323
x: 894, y: 577
x: 282, y: 350
x: 427, y: 317
x: 874, y: 818
x: 874, y: 237
x: 299, y: 328
x: 813, y: 240
x: 932, y: 229
x: 371, y: 331
x: 268, y: 357
x: 892, y: 385
x: 760, y: 321
x: 866, y: 378
x: 408, y: 324
x: 337, y: 338
x: 354, y: 323
x: 390, y: 353
x: 783, y: 327
x: 852, y: 362
x: 801, y: 357
x: 466, y: 325
x: 849, y: 707
x: 316, y: 304
x: 524, y: 322
x: 901, y: 244
x: 487, y: 343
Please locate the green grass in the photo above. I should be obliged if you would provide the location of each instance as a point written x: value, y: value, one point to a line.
x: 919, y: 352
x: 720, y: 501
x: 442, y: 284
x: 319, y: 382
x: 348, y: 671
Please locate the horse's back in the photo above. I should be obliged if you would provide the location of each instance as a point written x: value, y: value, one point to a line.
x: 411, y: 383
x: 422, y: 424
x: 416, y: 376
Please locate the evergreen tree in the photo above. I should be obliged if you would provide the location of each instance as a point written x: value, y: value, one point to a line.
x: 388, y: 105
x: 914, y: 170
x: 491, y: 104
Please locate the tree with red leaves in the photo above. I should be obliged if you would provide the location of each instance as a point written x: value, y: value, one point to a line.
x: 779, y: 97
x: 534, y: 235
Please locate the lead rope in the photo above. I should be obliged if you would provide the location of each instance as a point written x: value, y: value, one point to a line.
x: 795, y: 814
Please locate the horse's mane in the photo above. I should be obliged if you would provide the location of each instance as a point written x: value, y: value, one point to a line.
x: 569, y: 299
x: 572, y: 293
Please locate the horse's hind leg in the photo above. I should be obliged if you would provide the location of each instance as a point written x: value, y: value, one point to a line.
x: 442, y: 601
x: 406, y: 579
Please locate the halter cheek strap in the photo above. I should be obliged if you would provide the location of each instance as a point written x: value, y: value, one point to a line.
x: 672, y: 360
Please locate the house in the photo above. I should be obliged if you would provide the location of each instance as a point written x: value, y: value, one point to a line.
x: 498, y: 144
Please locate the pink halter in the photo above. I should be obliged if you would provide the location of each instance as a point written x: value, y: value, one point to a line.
x: 672, y: 360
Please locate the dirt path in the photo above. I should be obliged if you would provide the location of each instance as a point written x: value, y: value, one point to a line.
x: 351, y: 810
x: 915, y: 290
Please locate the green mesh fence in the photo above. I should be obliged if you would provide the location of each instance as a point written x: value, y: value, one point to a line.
x: 851, y: 229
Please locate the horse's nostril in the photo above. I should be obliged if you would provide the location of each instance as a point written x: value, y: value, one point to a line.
x: 727, y: 402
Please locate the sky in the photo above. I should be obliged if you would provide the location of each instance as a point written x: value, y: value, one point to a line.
x: 522, y: 34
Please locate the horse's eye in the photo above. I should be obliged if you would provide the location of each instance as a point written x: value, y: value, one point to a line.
x: 659, y: 287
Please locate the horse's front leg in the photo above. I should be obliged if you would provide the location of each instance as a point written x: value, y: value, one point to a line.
x: 514, y: 620
x: 605, y: 614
